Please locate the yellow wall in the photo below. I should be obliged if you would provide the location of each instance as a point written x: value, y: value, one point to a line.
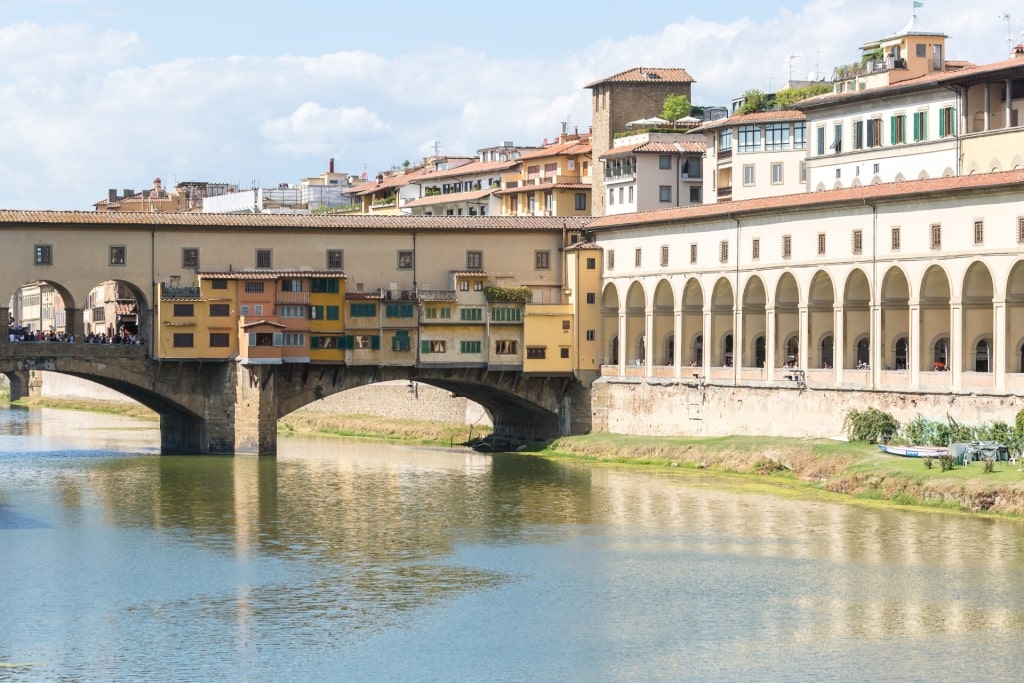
x: 548, y: 327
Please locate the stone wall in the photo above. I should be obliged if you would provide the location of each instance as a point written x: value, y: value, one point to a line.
x: 672, y: 409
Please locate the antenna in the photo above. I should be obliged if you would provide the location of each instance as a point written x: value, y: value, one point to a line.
x: 437, y: 146
x: 1009, y: 34
x: 792, y: 58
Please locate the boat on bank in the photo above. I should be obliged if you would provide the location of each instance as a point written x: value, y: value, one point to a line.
x: 914, y: 451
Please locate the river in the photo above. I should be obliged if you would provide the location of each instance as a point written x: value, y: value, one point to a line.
x: 363, y: 561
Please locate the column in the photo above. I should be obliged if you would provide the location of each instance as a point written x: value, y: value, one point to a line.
x: 648, y: 339
x: 769, y: 342
x: 737, y: 342
x: 839, y: 344
x: 1009, y: 103
x: 875, y: 346
x: 622, y: 344
x: 999, y: 344
x: 803, y: 332
x: 987, y: 107
x: 677, y: 345
x: 956, y: 342
x: 914, y: 344
x: 73, y: 323
x: 706, y: 346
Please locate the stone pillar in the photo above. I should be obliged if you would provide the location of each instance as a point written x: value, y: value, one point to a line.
x: 737, y: 342
x: 875, y: 345
x: 999, y: 344
x: 914, y: 345
x: 956, y: 343
x: 648, y: 338
x: 803, y: 332
x: 256, y: 409
x: 622, y: 344
x: 839, y: 344
x: 705, y: 352
x: 677, y: 347
x: 25, y: 384
x: 4, y: 327
x: 73, y: 323
x: 987, y: 104
x: 769, y: 343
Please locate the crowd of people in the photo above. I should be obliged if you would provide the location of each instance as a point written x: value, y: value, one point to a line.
x: 21, y: 334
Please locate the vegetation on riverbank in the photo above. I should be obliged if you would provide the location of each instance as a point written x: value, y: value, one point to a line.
x: 109, y: 407
x: 376, y: 427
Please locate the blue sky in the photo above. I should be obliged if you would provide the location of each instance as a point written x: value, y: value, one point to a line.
x: 96, y: 94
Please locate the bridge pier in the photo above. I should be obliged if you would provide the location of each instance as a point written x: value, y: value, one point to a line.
x: 25, y: 384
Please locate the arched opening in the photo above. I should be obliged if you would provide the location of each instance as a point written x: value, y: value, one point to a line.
x: 727, y: 351
x: 821, y: 320
x: 787, y: 321
x: 698, y: 350
x: 754, y: 318
x: 895, y: 317
x: 663, y: 321
x: 669, y: 350
x: 983, y: 356
x: 940, y: 354
x: 610, y: 323
x: 827, y: 352
x: 693, y: 318
x: 863, y: 355
x: 613, y: 352
x: 792, y: 351
x: 635, y: 344
x: 857, y: 325
x: 978, y: 316
x: 935, y: 316
x: 722, y: 303
x: 900, y: 349
x: 760, y: 352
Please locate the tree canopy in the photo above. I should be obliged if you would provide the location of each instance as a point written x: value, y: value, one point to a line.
x: 754, y: 100
x: 675, y: 107
x: 785, y: 99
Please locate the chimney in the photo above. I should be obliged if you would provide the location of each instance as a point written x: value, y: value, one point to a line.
x: 330, y: 165
x: 127, y: 193
x: 111, y: 195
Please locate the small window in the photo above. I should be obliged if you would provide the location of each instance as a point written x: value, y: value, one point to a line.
x: 936, y: 236
x: 665, y: 193
x: 291, y: 285
x: 474, y: 260
x: 566, y: 325
x: 335, y: 259
x: 591, y: 298
x: 506, y: 347
x: 469, y: 347
x: 693, y: 252
x: 184, y: 310
x: 611, y: 259
x: 637, y: 257
x: 405, y: 260
x: 463, y: 285
x: 220, y: 310
x: 748, y: 174
x: 219, y: 340
x: 542, y: 260
x: 755, y: 248
x: 471, y: 314
x: 664, y: 161
x: 118, y: 255
x: 776, y: 174
x: 243, y: 310
x: 723, y: 251
x: 564, y: 352
x: 787, y: 246
x: 663, y: 261
x: 591, y: 264
x: 536, y: 352
x: 253, y: 287
x: 1020, y: 230
x: 190, y: 257
x: 858, y: 241
x: 264, y: 258
x: 821, y: 244
x: 43, y: 255
x: 218, y: 284
x: 895, y: 243
x: 581, y: 201
x: 183, y: 340
x: 591, y: 335
x: 257, y: 309
x: 979, y: 232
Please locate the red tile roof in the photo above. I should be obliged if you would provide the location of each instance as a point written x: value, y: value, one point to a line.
x: 780, y: 116
x: 546, y: 186
x: 267, y: 274
x: 468, y: 273
x: 581, y: 146
x: 686, y: 147
x: 816, y: 200
x: 646, y: 74
x: 474, y: 167
x: 450, y: 197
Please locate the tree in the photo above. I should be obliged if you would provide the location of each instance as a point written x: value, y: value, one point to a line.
x: 786, y: 98
x: 675, y: 107
x: 754, y: 101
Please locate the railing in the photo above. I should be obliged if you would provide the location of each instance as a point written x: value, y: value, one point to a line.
x: 436, y: 294
x: 724, y: 192
x: 293, y: 297
x: 176, y: 292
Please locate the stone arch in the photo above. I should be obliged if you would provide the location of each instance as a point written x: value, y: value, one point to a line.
x: 978, y: 314
x: 994, y: 166
x: 876, y: 180
x: 857, y: 316
x: 722, y: 305
x: 838, y: 185
x: 820, y: 187
x: 947, y: 172
x: 894, y: 297
x: 663, y: 343
x: 610, y: 324
x: 635, y: 345
x: 821, y: 299
x: 693, y: 321
x: 856, y: 183
x: 41, y: 305
x: 923, y: 175
x: 787, y: 317
x: 1017, y: 163
x: 1014, y: 341
x: 899, y: 178
x: 935, y: 325
x: 126, y: 311
x: 753, y: 309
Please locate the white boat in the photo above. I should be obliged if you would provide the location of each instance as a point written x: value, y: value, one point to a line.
x: 914, y: 451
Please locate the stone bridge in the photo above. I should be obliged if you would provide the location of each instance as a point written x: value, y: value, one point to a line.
x: 227, y: 407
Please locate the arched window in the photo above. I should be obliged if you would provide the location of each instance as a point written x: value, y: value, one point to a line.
x: 792, y: 352
x: 900, y: 359
x: 698, y: 350
x: 727, y: 351
x: 983, y: 356
x: 827, y: 352
x: 759, y: 352
x: 940, y: 354
x: 615, y: 350
x: 670, y: 350
x: 863, y: 353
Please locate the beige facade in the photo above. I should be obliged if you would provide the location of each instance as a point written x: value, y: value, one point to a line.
x: 554, y: 180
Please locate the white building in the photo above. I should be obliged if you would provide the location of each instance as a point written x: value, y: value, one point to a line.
x: 652, y: 171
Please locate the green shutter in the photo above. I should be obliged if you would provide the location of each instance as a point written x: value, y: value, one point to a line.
x: 424, y: 346
x: 942, y: 123
x: 871, y: 133
x: 375, y: 342
x: 917, y: 127
x: 332, y: 313
x: 252, y: 339
x: 892, y: 130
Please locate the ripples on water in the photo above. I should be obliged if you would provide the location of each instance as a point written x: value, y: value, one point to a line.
x: 361, y: 561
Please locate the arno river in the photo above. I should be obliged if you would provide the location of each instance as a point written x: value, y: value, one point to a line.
x: 357, y: 561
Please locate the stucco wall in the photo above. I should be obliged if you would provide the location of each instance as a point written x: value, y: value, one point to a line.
x: 692, y: 410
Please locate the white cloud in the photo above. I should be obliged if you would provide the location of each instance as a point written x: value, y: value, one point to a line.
x: 312, y: 128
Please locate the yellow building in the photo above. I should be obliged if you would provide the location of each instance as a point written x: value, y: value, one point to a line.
x: 551, y: 181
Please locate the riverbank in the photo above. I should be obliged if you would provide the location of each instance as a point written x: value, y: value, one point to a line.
x: 855, y: 470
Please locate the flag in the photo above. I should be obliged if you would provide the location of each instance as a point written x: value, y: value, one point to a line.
x: 918, y: 3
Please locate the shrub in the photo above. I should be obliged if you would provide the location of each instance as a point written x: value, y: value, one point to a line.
x: 946, y: 462
x: 869, y: 425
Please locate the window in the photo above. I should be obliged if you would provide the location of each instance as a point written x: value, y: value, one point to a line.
x: 220, y: 310
x: 506, y: 347
x: 631, y: 197
x: 184, y: 310
x: 664, y: 161
x: 118, y: 255
x: 478, y: 286
x: 979, y: 232
x: 397, y: 310
x: 800, y: 135
x: 253, y: 287
x: 693, y: 252
x: 820, y: 132
x: 469, y: 347
x: 335, y: 259
x: 43, y: 255
x: 219, y: 340
x: 581, y: 201
x: 665, y: 193
x: 292, y: 311
x: 611, y: 259
x: 947, y: 122
x: 542, y: 260
x: 261, y: 339
x: 243, y: 310
x: 291, y: 285
x: 363, y: 310
x: 874, y: 133
x: 936, y: 236
x: 327, y: 285
x: 895, y: 238
x: 183, y: 340
x: 401, y: 341
x: 405, y: 260
x: 293, y: 339
x: 506, y: 314
x: 564, y: 352
x: 474, y: 260
x: 858, y: 135
x: 218, y: 284
x: 566, y: 325
x: 463, y: 285
x: 591, y: 298
x: 471, y: 314
x: 264, y: 258
x: 821, y: 244
x: 663, y: 261
x: 748, y: 174
x: 591, y: 263
x: 591, y: 335
x: 898, y: 129
x: 755, y: 248
x: 315, y: 313
x: 611, y: 197
x: 803, y: 171
x: 748, y: 138
x: 366, y: 341
x: 920, y: 126
x: 257, y: 309
x: 787, y: 246
x: 725, y: 140
x: 777, y: 173
x: 433, y: 346
x: 920, y: 50
x: 857, y: 239
x: 189, y: 257
x: 837, y: 139
x: 1020, y: 230
x: 695, y: 195
x: 637, y: 257
x: 723, y: 251
x: 536, y: 352
x: 776, y: 136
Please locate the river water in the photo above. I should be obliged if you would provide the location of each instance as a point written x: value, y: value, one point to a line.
x: 360, y: 561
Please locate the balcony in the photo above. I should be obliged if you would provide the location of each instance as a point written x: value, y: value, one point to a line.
x: 436, y: 294
x: 175, y: 292
x: 725, y: 192
x: 292, y: 297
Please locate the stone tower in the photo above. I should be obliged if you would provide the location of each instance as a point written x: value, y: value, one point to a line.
x: 638, y: 93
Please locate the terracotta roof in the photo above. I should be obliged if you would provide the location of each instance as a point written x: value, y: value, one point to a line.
x: 546, y: 186
x: 581, y: 146
x: 471, y: 168
x: 450, y: 197
x: 816, y: 200
x: 125, y: 308
x: 779, y: 116
x: 364, y: 295
x: 468, y: 273
x: 264, y: 321
x: 646, y: 74
x: 657, y: 148
x: 315, y: 223
x: 389, y: 182
x: 267, y: 274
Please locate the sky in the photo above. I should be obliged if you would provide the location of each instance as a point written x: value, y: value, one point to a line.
x: 98, y: 94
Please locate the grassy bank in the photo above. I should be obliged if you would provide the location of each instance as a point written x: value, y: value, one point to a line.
x: 856, y: 470
x: 110, y: 407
